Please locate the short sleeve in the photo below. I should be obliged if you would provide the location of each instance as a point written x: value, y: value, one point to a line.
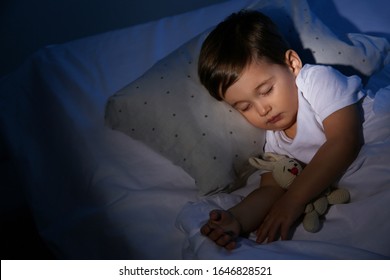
x: 327, y: 90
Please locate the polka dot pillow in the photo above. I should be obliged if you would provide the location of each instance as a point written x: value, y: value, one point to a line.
x: 169, y: 110
x: 317, y: 43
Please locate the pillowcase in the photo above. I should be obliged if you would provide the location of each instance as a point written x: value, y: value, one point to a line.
x: 316, y: 43
x: 170, y: 111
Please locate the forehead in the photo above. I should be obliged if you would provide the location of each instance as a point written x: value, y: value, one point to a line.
x: 253, y: 77
x: 256, y: 71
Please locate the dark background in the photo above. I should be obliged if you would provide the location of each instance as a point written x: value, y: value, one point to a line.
x: 27, y: 25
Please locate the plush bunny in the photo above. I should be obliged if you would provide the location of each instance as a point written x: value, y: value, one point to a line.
x: 284, y: 171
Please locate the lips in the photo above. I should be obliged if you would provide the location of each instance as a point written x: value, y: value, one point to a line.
x: 274, y: 119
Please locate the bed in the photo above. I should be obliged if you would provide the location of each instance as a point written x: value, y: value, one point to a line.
x: 106, y: 180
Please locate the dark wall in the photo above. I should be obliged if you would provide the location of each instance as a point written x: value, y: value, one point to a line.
x: 27, y: 25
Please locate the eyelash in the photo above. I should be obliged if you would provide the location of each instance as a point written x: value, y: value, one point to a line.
x: 268, y: 91
x: 246, y: 108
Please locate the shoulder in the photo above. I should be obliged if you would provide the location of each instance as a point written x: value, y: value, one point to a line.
x: 326, y: 76
x: 313, y: 69
x: 327, y: 90
x: 320, y: 74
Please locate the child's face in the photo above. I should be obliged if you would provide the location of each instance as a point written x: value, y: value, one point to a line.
x: 266, y: 95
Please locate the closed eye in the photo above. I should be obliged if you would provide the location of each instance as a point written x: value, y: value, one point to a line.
x: 264, y: 91
x: 242, y: 107
x: 268, y: 91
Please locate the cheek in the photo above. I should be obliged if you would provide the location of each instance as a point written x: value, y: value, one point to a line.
x: 254, y: 120
x: 289, y: 98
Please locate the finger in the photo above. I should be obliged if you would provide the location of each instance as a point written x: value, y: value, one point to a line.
x: 221, y: 238
x: 284, y: 230
x: 205, y: 229
x: 261, y: 233
x: 225, y: 240
x: 264, y: 229
x: 215, y: 233
x: 215, y: 215
x: 274, y: 232
x: 231, y: 245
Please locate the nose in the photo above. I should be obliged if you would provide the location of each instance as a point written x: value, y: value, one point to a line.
x: 262, y: 108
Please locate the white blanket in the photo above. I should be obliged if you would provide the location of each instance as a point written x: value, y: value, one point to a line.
x: 358, y: 230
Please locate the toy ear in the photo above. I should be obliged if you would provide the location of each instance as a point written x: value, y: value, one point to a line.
x: 262, y: 164
x: 273, y: 157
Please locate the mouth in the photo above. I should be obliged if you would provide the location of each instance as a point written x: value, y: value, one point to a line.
x: 274, y: 119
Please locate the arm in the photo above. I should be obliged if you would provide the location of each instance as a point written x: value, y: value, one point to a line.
x: 254, y: 207
x: 224, y: 226
x: 343, y: 131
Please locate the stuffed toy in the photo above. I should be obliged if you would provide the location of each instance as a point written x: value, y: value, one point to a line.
x: 284, y: 171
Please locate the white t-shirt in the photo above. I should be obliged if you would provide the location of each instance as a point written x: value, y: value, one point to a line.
x: 322, y: 90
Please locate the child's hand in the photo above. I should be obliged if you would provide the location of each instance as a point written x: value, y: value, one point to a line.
x: 222, y: 228
x: 279, y: 219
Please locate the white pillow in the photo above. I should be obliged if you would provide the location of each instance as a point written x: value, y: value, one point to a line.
x: 316, y: 43
x: 170, y: 111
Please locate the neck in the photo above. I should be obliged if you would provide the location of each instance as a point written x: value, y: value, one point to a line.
x: 291, y: 132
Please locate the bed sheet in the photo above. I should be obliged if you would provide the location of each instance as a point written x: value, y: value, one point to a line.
x: 95, y: 193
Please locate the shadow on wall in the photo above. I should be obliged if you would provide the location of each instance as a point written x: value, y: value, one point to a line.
x: 26, y: 25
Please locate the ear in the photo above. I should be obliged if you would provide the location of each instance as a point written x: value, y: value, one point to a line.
x: 262, y: 164
x: 293, y: 61
x: 273, y: 157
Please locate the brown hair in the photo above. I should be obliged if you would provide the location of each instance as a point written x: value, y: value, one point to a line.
x: 241, y: 38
